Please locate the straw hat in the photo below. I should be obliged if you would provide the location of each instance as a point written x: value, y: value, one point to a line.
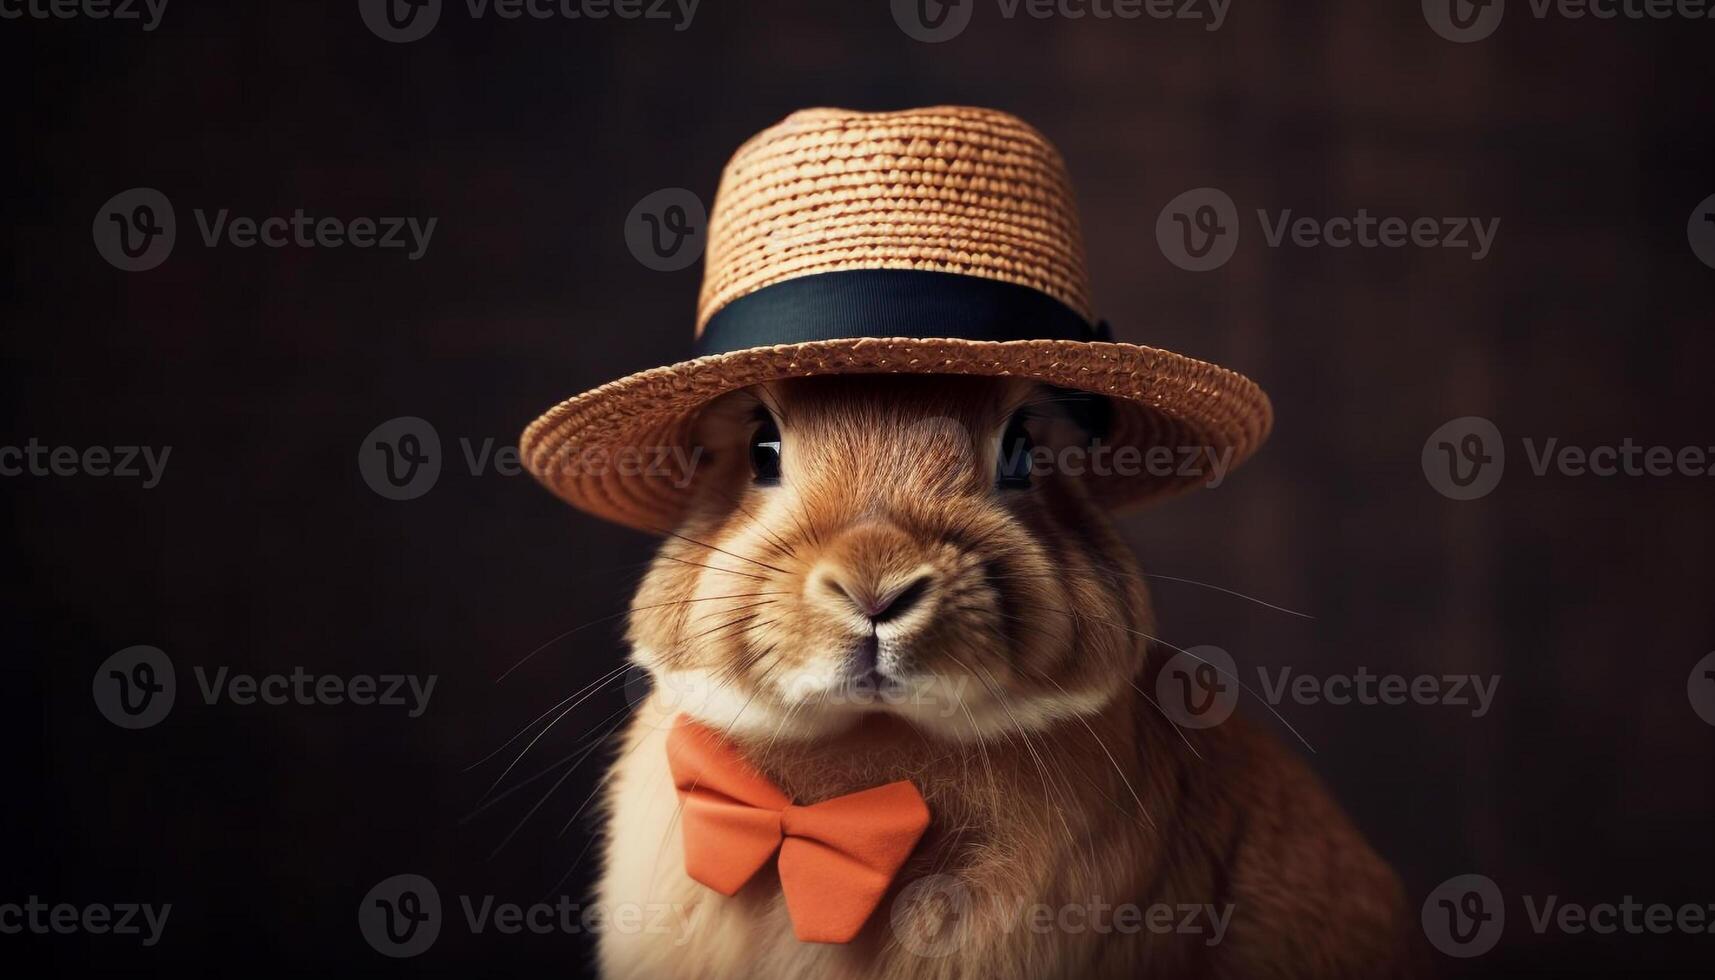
x: 926, y: 241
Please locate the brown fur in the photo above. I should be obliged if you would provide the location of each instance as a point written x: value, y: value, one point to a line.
x: 1052, y: 779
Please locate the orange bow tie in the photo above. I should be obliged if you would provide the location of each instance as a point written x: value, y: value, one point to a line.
x: 837, y: 857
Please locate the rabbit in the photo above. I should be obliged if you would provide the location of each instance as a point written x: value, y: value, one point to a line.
x: 870, y: 587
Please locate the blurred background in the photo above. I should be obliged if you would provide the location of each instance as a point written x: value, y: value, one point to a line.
x: 264, y: 547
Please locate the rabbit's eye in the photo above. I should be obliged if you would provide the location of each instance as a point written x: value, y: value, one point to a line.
x: 765, y: 453
x: 1012, y: 469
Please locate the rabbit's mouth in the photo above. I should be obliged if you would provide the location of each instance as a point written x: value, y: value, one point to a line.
x: 873, y: 665
x: 823, y: 705
x: 814, y: 703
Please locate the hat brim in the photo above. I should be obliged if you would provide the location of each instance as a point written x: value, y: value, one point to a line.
x: 611, y: 450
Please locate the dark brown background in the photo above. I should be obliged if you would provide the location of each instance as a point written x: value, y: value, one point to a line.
x: 263, y: 549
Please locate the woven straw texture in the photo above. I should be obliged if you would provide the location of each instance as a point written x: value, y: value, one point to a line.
x: 948, y: 190
x: 960, y: 190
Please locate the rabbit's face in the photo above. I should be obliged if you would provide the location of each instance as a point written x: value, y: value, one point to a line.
x: 902, y: 544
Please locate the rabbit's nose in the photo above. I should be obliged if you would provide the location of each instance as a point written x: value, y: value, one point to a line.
x: 872, y: 600
x: 901, y: 600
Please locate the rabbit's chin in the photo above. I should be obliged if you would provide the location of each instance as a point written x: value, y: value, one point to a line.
x: 808, y: 707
